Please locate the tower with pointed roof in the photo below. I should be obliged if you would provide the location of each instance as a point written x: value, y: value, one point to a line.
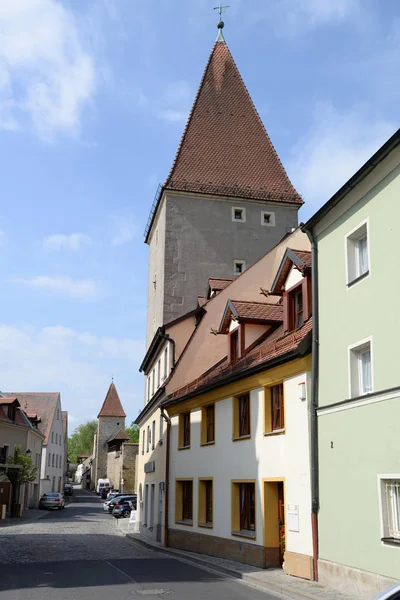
x: 111, y: 425
x: 226, y: 201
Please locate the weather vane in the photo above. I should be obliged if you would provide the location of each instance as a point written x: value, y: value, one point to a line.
x: 221, y: 9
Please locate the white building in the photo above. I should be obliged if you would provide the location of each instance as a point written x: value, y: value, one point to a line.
x: 239, y: 478
x: 47, y: 406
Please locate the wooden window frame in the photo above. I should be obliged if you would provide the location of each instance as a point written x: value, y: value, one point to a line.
x: 269, y: 409
x: 153, y: 434
x: 183, y: 488
x: 206, y: 506
x: 244, y: 497
x: 240, y: 431
x: 207, y: 437
x: 184, y: 427
x: 234, y: 348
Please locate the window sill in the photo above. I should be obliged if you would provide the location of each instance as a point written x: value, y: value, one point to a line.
x: 244, y: 534
x: 207, y: 443
x: 183, y: 447
x: 357, y: 279
x: 242, y: 437
x: 391, y: 541
x: 185, y: 522
x: 274, y: 432
x: 206, y: 525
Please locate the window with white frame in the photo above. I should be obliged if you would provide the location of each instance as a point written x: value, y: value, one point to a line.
x: 143, y: 439
x: 238, y: 214
x: 148, y: 437
x: 239, y: 267
x: 390, y: 508
x: 357, y: 253
x: 148, y: 388
x: 166, y: 362
x: 153, y: 434
x: 267, y: 218
x: 161, y: 427
x: 153, y: 381
x: 360, y: 359
x: 159, y: 373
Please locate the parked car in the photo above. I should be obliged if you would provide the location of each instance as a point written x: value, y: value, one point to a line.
x: 104, y: 492
x: 52, y: 500
x: 392, y: 593
x: 68, y: 489
x: 102, y: 483
x: 123, y: 510
x: 113, y: 492
x: 119, y: 500
x: 107, y: 502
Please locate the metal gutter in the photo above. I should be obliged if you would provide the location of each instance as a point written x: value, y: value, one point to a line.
x: 314, y: 404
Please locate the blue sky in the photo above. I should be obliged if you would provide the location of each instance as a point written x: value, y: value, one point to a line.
x: 93, y: 100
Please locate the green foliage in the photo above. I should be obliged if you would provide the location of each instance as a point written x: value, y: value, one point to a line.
x: 28, y: 472
x: 81, y: 441
x: 133, y: 432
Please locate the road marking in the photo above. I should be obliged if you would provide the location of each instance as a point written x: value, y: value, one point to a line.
x: 121, y: 571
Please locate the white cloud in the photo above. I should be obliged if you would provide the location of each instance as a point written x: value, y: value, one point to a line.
x: 123, y: 230
x: 78, y: 289
x: 74, y: 241
x: 335, y: 147
x: 58, y: 358
x: 47, y: 76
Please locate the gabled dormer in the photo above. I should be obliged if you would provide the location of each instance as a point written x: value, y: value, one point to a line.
x: 215, y: 286
x: 247, y: 323
x: 293, y: 284
x: 8, y: 408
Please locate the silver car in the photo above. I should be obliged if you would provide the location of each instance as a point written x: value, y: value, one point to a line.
x: 52, y: 500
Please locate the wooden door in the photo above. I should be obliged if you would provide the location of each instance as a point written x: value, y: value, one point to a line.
x: 281, y: 522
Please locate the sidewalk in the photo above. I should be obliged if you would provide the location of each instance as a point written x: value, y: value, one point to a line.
x: 272, y: 581
x: 28, y: 515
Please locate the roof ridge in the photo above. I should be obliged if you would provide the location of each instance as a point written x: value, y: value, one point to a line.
x: 256, y: 302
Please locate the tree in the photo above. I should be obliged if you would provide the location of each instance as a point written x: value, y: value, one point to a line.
x: 81, y: 441
x: 133, y: 431
x: 24, y: 472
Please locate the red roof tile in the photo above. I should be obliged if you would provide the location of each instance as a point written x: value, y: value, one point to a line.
x: 219, y: 284
x: 8, y: 400
x: 112, y: 406
x: 119, y: 435
x: 225, y: 149
x: 262, y: 311
x: 275, y: 345
x: 304, y: 256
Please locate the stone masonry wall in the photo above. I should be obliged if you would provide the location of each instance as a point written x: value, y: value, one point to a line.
x: 129, y: 467
x: 107, y: 426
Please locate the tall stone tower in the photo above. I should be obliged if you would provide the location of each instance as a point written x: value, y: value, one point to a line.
x: 111, y: 419
x: 226, y: 201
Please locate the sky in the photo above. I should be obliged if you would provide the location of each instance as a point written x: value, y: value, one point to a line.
x: 94, y: 96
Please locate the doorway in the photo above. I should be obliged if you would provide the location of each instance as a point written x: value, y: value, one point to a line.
x: 274, y: 522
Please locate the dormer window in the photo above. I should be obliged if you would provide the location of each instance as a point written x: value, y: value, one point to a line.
x: 234, y: 346
x: 296, y: 317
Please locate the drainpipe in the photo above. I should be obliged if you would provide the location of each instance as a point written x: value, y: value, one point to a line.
x: 167, y: 454
x: 171, y: 341
x: 314, y: 404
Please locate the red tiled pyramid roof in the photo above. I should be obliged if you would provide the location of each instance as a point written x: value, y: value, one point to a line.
x: 112, y: 406
x: 225, y: 149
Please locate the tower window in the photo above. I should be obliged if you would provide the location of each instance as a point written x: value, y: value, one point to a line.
x: 238, y: 214
x: 238, y: 267
x: 267, y: 218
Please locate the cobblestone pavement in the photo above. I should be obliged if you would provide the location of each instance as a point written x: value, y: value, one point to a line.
x: 80, y: 554
x: 81, y: 531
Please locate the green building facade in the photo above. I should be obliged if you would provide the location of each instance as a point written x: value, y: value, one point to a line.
x: 357, y: 236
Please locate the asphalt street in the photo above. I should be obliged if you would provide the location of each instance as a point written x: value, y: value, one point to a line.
x: 79, y: 554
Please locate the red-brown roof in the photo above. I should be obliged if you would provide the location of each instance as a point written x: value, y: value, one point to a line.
x: 119, y: 435
x: 8, y: 400
x: 258, y: 310
x: 300, y: 258
x: 277, y: 344
x: 43, y: 404
x: 305, y: 256
x: 112, y: 406
x: 218, y: 285
x: 225, y: 149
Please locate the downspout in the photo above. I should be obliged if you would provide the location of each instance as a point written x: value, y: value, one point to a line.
x: 314, y: 404
x: 167, y: 454
x: 171, y: 341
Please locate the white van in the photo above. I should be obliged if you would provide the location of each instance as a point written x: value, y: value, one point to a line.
x: 101, y: 483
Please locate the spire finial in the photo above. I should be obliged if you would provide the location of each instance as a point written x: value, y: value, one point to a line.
x: 221, y: 9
